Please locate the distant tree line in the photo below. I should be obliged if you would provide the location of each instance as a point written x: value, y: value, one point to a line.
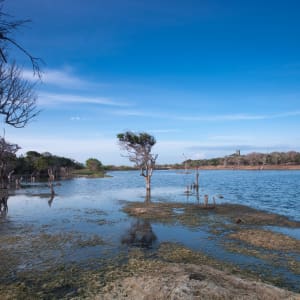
x: 250, y: 159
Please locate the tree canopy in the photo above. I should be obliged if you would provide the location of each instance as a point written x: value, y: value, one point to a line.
x: 139, y: 146
x: 94, y: 164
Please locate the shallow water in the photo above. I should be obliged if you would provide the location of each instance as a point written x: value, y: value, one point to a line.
x: 90, y: 207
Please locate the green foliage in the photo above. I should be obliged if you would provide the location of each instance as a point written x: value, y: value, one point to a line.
x: 132, y: 139
x: 138, y: 147
x: 33, y: 154
x: 89, y: 173
x: 41, y: 164
x: 36, y: 163
x: 94, y: 164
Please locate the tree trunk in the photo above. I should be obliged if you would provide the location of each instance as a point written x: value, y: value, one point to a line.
x: 197, y: 179
x: 148, y: 196
x: 148, y: 183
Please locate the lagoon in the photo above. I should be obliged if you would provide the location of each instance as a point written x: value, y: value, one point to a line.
x: 87, y: 216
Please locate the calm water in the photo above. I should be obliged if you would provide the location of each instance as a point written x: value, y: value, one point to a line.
x: 81, y: 203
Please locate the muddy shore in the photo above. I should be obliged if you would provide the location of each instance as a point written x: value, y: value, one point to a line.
x: 169, y: 271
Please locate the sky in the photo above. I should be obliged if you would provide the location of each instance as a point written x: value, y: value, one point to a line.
x: 204, y: 77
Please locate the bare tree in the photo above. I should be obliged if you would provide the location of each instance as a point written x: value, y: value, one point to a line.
x: 138, y: 147
x: 8, y: 26
x: 17, y: 97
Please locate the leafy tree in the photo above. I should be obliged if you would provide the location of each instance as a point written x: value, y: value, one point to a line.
x: 94, y: 164
x: 41, y: 164
x: 139, y: 146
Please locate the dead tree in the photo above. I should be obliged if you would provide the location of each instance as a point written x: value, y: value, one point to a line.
x: 196, y: 184
x: 50, y: 180
x: 3, y: 201
x: 205, y: 200
x: 8, y: 26
x: 17, y: 97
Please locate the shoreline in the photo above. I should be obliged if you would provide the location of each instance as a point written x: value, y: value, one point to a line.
x: 247, y: 168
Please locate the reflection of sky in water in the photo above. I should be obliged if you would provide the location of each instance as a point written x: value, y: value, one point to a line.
x: 274, y: 191
x: 92, y: 206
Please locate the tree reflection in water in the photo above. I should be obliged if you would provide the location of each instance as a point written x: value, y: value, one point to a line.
x: 51, y: 200
x: 3, y: 201
x: 140, y: 234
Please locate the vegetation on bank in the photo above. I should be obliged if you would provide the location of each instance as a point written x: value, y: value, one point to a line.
x: 250, y: 159
x: 37, y: 164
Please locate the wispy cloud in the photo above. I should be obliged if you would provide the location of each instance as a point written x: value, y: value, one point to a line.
x: 229, y: 138
x: 207, y: 118
x: 240, y: 117
x: 63, y: 78
x: 47, y: 99
x: 77, y: 118
x: 231, y: 117
x: 138, y: 113
x: 163, y: 130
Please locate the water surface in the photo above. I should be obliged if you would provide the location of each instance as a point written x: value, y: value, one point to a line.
x: 92, y: 207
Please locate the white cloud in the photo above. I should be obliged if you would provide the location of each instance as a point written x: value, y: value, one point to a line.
x: 232, y: 117
x: 47, y: 99
x: 77, y: 118
x: 137, y: 113
x: 239, y: 117
x: 231, y: 138
x: 163, y: 130
x: 61, y: 78
x: 206, y: 118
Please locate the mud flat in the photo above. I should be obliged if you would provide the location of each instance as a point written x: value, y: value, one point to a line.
x: 197, y: 214
x: 188, y: 281
x: 39, y: 263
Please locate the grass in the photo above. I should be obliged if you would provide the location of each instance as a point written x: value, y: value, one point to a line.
x: 89, y: 173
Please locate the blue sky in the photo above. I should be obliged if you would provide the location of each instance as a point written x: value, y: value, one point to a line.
x: 204, y: 77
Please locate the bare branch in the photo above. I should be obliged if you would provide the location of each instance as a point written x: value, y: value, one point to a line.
x: 17, y: 98
x: 7, y: 29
